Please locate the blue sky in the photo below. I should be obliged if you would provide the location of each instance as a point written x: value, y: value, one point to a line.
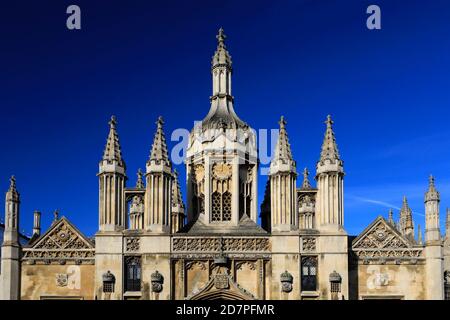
x: 387, y: 91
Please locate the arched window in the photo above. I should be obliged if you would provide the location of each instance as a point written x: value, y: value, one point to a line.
x: 309, y: 273
x: 216, y: 208
x: 226, y: 206
x: 132, y: 274
x: 221, y: 207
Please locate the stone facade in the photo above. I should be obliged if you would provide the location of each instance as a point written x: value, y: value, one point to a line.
x: 150, y: 246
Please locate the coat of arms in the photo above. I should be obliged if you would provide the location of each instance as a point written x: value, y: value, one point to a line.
x: 62, y: 279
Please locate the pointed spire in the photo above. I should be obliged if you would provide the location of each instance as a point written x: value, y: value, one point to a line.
x: 12, y: 194
x: 282, y: 152
x: 391, y: 217
x: 159, y: 153
x: 140, y: 180
x: 406, y: 220
x: 432, y: 194
x: 177, y: 199
x: 112, y: 149
x: 329, y: 146
x: 221, y: 56
x: 419, y: 234
x: 306, y: 185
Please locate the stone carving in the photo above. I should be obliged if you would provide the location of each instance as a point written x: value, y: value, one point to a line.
x: 251, y: 265
x: 62, y: 280
x: 381, y: 242
x: 132, y: 244
x: 380, y: 236
x: 108, y: 277
x: 218, y: 244
x: 309, y: 244
x: 286, y: 281
x: 157, y: 280
x: 221, y: 281
x: 221, y: 171
x: 199, y: 172
x: 62, y: 243
x: 381, y: 279
x: 382, y: 254
x: 191, y: 264
x: 447, y: 277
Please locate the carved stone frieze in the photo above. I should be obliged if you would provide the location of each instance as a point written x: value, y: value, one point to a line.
x: 211, y: 244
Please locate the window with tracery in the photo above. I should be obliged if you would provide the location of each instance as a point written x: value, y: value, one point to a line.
x: 221, y: 196
x: 221, y: 206
x: 133, y: 274
x: 309, y: 273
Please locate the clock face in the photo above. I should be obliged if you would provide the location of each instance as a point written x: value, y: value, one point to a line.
x: 222, y: 171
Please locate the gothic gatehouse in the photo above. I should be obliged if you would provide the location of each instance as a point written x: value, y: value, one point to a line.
x: 220, y: 244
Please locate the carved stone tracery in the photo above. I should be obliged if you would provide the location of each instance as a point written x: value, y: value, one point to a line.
x: 188, y: 244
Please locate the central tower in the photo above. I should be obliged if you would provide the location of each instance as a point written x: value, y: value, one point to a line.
x: 221, y: 158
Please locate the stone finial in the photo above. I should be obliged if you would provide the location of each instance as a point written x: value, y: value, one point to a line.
x: 177, y: 199
x: 419, y: 234
x: 306, y: 185
x: 335, y: 277
x: 12, y: 194
x: 55, y: 215
x: 36, y: 223
x: 12, y: 184
x: 159, y: 153
x: 221, y: 37
x: 112, y: 149
x: 140, y: 180
x: 406, y: 220
x: 391, y: 217
x: 221, y: 56
x: 329, y: 146
x: 282, y: 152
x: 432, y: 194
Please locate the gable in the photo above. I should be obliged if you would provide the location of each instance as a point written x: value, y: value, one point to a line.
x: 61, y: 244
x: 380, y: 235
x: 63, y: 235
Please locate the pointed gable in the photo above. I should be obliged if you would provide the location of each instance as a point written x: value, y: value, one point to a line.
x: 380, y: 235
x: 62, y: 243
x: 63, y: 235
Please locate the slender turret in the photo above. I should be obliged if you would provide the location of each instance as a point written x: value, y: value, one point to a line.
x: 406, y: 223
x: 330, y: 176
x: 112, y: 179
x: 159, y: 184
x: 11, y: 250
x: 283, y: 177
x: 434, y: 255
